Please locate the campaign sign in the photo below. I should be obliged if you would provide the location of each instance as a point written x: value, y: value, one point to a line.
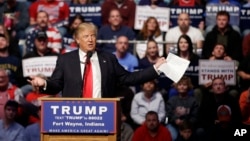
x: 78, y: 116
x: 244, y: 18
x: 161, y: 14
x: 212, y: 9
x: 196, y: 15
x: 39, y: 65
x: 210, y: 69
x: 90, y: 12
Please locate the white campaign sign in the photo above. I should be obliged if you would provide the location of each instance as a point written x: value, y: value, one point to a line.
x: 210, y: 69
x: 161, y: 14
x: 39, y: 65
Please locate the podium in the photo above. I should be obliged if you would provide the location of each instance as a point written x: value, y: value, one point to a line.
x: 79, y: 119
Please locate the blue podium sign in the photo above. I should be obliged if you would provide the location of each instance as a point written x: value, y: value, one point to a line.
x: 78, y: 116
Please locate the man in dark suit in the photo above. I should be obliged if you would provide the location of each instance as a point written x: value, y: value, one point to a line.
x: 106, y: 71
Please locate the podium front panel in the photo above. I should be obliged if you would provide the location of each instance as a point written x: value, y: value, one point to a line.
x: 79, y: 116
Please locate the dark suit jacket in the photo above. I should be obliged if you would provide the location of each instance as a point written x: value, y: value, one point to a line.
x: 67, y: 75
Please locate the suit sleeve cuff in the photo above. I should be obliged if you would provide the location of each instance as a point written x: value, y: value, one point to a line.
x: 157, y: 71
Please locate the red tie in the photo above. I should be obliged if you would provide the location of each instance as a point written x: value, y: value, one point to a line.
x: 88, y: 81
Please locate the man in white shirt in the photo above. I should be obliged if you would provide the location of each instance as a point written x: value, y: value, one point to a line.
x: 183, y: 27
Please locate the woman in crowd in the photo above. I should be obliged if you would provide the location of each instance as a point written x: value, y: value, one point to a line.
x: 149, y: 31
x: 69, y: 43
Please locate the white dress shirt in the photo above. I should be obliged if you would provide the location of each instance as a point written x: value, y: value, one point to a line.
x: 97, y: 92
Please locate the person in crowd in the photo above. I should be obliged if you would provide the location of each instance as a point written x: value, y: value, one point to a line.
x: 243, y: 72
x: 185, y: 51
x: 102, y: 75
x: 186, y: 132
x: 153, y: 3
x: 150, y: 31
x: 246, y: 45
x: 152, y: 129
x: 151, y: 56
x: 13, y: 42
x: 219, y: 113
x: 41, y: 47
x: 219, y: 53
x: 126, y: 130
x: 244, y: 103
x: 42, y: 23
x: 10, y: 62
x: 126, y: 9
x: 126, y: 94
x: 58, y: 12
x: 32, y: 131
x: 10, y: 130
x: 8, y: 91
x: 114, y: 29
x: 223, y: 33
x: 181, y: 107
x: 14, y: 15
x: 124, y: 57
x: 183, y: 27
x: 69, y: 43
x: 149, y: 99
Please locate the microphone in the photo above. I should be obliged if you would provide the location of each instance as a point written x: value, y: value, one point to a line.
x: 89, y: 55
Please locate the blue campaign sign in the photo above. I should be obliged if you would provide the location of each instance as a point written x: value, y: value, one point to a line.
x: 83, y: 116
x: 244, y: 18
x: 90, y: 12
x: 196, y: 14
x: 212, y: 9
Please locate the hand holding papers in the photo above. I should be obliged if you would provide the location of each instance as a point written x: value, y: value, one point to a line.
x: 175, y: 67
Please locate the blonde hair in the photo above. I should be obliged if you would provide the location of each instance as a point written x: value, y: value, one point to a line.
x: 85, y: 26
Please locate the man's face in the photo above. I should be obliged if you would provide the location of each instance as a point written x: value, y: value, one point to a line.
x: 3, y: 43
x: 115, y: 18
x: 218, y: 86
x: 10, y: 112
x: 222, y: 21
x: 86, y: 40
x: 41, y: 44
x: 152, y: 122
x: 42, y: 19
x: 218, y: 51
x: 149, y: 87
x: 183, y: 21
x: 4, y: 79
x: 122, y: 44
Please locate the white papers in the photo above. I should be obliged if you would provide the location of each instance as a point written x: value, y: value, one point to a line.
x: 175, y: 67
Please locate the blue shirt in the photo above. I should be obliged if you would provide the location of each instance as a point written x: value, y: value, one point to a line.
x: 32, y: 132
x: 106, y: 33
x: 15, y: 132
x: 129, y: 62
